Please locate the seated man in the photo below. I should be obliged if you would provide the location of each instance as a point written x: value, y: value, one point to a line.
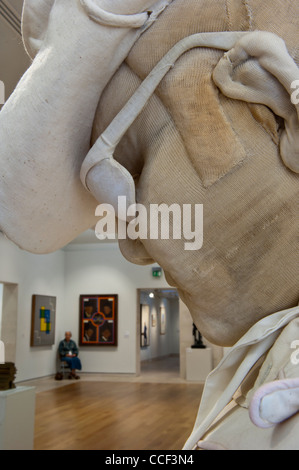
x: 68, y: 352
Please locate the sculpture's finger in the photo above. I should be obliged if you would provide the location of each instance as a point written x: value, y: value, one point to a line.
x: 101, y: 16
x: 274, y: 402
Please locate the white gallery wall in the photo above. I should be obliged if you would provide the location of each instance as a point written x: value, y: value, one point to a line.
x: 26, y: 274
x: 66, y: 274
x: 101, y: 269
x: 161, y: 344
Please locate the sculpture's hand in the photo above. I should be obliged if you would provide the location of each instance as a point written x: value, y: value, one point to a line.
x: 123, y: 13
x: 130, y: 14
x: 275, y: 402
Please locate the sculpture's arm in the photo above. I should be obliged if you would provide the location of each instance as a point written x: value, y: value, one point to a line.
x: 46, y: 124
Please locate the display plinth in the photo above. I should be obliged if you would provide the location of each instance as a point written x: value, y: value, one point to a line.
x: 17, y: 409
x: 199, y: 363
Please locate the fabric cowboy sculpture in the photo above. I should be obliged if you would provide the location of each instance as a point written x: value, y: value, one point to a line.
x: 187, y: 102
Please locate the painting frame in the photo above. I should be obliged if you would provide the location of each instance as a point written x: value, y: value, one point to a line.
x: 98, y: 320
x: 43, y: 320
x: 162, y: 320
x: 145, y: 326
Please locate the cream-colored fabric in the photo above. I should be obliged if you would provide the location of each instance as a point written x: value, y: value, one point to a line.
x: 192, y: 144
x: 102, y: 153
x: 275, y: 402
x: 260, y: 70
x: 249, y: 51
x: 225, y: 424
x: 35, y: 17
x: 128, y: 14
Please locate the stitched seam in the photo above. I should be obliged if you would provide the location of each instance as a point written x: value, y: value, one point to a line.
x: 227, y: 8
x: 249, y: 14
x: 171, y: 118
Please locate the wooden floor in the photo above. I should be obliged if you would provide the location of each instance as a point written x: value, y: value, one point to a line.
x: 116, y: 416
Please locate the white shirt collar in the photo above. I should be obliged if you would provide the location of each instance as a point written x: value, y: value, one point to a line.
x: 223, y: 382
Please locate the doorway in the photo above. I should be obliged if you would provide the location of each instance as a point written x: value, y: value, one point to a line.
x: 158, y: 334
x: 8, y: 319
x: 1, y: 303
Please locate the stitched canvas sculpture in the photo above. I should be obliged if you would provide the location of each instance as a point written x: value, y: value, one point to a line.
x: 186, y: 102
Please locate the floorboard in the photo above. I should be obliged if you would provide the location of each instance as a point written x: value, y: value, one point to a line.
x: 116, y: 416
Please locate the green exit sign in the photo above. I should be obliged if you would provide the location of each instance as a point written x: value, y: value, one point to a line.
x: 157, y: 272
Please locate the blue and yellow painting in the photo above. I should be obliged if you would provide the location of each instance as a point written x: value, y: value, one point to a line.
x: 43, y: 320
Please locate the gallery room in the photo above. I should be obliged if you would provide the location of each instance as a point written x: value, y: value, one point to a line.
x: 149, y: 263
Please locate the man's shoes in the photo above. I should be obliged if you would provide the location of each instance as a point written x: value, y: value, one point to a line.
x: 74, y: 376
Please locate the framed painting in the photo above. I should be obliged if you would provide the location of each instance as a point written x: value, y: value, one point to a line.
x: 144, y: 326
x: 98, y: 320
x: 43, y: 317
x: 162, y: 320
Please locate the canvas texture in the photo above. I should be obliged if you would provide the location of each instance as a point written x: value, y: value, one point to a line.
x: 192, y: 144
x: 251, y: 400
x: 218, y: 130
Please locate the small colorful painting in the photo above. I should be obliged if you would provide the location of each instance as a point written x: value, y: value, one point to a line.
x: 43, y: 320
x: 98, y: 320
x: 162, y: 320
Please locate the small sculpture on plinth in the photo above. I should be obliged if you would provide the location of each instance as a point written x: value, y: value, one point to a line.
x: 7, y: 376
x: 198, y: 343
